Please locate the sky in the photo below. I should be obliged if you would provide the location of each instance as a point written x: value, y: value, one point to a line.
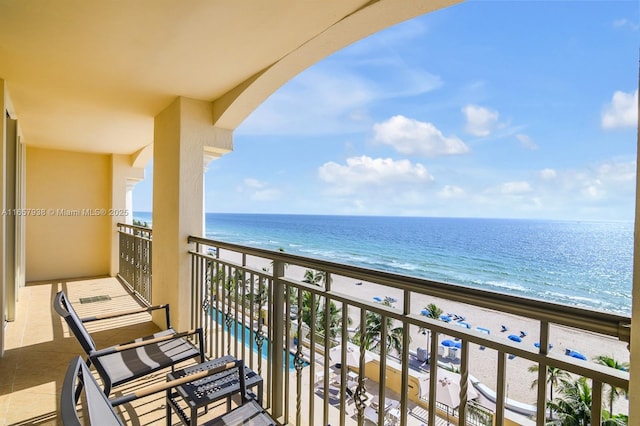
x: 522, y: 109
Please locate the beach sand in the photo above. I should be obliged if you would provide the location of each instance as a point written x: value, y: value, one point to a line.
x: 482, y: 363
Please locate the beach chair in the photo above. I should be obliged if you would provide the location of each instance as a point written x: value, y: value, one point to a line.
x: 125, y: 362
x: 97, y: 409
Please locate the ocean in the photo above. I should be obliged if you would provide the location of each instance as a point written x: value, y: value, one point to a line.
x: 585, y: 264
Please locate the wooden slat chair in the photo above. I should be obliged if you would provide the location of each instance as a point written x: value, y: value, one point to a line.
x: 129, y: 361
x: 98, y: 409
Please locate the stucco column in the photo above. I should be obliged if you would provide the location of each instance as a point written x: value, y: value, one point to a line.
x: 208, y: 157
x: 3, y: 143
x: 123, y: 178
x: 634, y: 346
x: 182, y: 133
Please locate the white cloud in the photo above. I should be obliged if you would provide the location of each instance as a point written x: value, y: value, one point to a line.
x: 594, y: 191
x: 382, y: 186
x: 254, y: 183
x: 609, y: 180
x: 624, y: 23
x: 259, y: 190
x: 269, y: 194
x: 365, y: 171
x: 481, y: 121
x: 451, y: 191
x: 618, y: 23
x: 547, y: 174
x: 617, y: 172
x: 622, y: 111
x: 527, y: 142
x: 515, y: 188
x: 412, y: 137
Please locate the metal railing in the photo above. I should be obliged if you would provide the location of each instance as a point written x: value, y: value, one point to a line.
x: 135, y: 259
x: 257, y: 313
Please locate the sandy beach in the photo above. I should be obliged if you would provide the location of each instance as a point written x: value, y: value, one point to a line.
x: 482, y: 363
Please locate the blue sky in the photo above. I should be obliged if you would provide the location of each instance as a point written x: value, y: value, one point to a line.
x: 523, y: 109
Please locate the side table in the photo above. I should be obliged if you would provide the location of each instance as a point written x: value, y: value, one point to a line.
x: 200, y: 393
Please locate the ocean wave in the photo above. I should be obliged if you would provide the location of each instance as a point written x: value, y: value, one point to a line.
x: 504, y: 285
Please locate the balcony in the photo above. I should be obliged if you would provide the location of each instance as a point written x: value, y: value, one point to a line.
x: 255, y: 304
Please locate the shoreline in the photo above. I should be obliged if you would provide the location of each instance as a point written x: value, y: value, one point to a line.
x: 518, y: 378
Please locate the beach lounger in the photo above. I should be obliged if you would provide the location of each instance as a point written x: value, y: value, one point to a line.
x: 125, y: 362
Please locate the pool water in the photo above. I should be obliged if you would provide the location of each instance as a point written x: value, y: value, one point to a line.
x: 250, y: 342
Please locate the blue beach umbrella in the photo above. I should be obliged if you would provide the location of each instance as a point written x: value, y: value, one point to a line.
x: 537, y: 345
x: 448, y: 343
x: 485, y: 331
x: 445, y: 318
x: 377, y: 299
x: 575, y: 354
x: 425, y: 313
x: 515, y: 338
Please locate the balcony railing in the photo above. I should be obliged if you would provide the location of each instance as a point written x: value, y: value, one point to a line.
x: 259, y: 314
x: 135, y: 259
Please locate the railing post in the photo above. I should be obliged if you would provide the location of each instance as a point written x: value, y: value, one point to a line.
x: 277, y: 322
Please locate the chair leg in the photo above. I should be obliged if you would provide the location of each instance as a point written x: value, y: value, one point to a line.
x: 107, y: 387
x: 79, y: 386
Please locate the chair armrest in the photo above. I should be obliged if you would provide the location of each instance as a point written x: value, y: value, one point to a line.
x: 130, y: 312
x: 132, y: 345
x: 160, y: 387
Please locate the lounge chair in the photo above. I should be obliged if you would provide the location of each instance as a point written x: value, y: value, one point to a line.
x: 98, y: 409
x: 128, y: 361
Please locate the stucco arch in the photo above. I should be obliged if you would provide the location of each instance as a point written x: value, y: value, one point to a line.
x: 234, y: 106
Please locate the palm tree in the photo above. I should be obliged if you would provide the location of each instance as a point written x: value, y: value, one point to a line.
x: 373, y: 330
x: 319, y: 278
x: 614, y: 392
x: 335, y: 319
x: 617, y: 420
x: 574, y: 408
x: 555, y: 376
x: 433, y: 311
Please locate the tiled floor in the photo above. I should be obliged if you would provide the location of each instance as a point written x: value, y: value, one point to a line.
x: 38, y: 348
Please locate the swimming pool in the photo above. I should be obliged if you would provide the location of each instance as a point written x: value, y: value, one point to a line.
x: 250, y: 343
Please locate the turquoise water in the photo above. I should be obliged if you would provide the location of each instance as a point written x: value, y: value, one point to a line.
x: 586, y: 264
x: 250, y: 343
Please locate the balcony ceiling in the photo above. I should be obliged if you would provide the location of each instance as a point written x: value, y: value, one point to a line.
x: 90, y: 76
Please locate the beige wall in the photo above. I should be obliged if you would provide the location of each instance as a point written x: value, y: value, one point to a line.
x: 64, y: 241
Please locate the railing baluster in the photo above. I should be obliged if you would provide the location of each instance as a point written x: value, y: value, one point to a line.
x: 312, y: 337
x: 343, y: 338
x: 288, y: 350
x: 541, y: 409
x: 596, y: 402
x: 299, y: 351
x: 384, y: 335
x: 406, y: 310
x: 500, y: 387
x: 464, y: 382
x: 276, y: 320
x: 433, y: 367
x: 361, y: 393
